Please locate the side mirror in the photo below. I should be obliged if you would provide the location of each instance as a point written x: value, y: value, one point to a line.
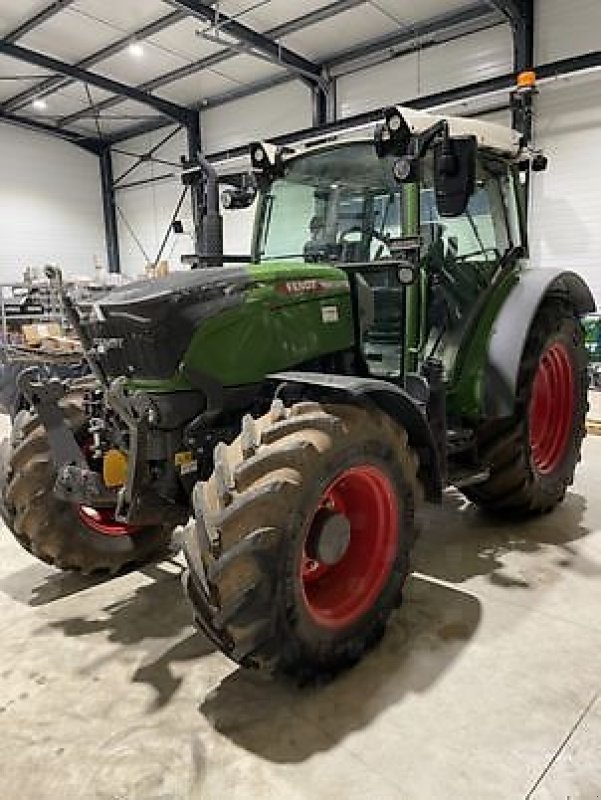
x: 454, y: 174
x: 238, y: 197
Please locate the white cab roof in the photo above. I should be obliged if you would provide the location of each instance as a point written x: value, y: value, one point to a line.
x: 495, y: 137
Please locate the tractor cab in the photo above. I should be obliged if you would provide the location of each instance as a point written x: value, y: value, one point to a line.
x: 420, y: 247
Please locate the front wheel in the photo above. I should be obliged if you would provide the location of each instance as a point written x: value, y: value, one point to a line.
x: 65, y: 535
x: 533, y: 455
x: 303, y: 535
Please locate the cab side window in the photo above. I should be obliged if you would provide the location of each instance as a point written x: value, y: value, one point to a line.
x: 461, y: 254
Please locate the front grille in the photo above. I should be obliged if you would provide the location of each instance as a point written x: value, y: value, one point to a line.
x: 144, y: 329
x: 138, y: 351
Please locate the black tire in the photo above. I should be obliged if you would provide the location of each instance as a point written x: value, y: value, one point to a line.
x: 517, y: 485
x: 51, y: 529
x: 253, y: 514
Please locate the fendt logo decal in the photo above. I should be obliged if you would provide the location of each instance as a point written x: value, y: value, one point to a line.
x: 308, y: 286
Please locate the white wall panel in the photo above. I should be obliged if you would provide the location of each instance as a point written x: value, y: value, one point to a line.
x: 565, y: 28
x: 566, y: 208
x: 50, y: 205
x: 268, y: 113
x: 342, y: 31
x: 456, y: 63
x: 466, y: 60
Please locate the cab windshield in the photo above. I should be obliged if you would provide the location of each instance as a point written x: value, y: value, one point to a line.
x: 342, y: 204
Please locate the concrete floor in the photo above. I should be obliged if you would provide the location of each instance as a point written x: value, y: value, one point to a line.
x: 486, y: 685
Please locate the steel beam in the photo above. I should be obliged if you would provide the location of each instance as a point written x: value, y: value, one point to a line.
x: 93, y: 79
x: 260, y: 42
x: 319, y: 109
x: 51, y: 85
x: 147, y: 156
x: 286, y: 29
x: 570, y: 65
x: 509, y: 8
x: 86, y: 142
x: 38, y: 19
x: 524, y: 37
x: 194, y: 148
x: 520, y: 15
x: 109, y: 212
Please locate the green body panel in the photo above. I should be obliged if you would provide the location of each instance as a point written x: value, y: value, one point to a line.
x: 466, y: 369
x: 413, y: 326
x: 290, y: 314
x: 272, y: 330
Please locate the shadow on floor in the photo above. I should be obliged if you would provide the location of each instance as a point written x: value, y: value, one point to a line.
x: 38, y: 584
x: 284, y: 723
x: 459, y: 542
x: 153, y: 611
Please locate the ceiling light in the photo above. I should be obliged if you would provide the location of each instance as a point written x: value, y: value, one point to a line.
x: 40, y: 104
x: 136, y: 49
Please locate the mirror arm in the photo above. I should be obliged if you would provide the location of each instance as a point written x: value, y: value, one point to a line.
x: 421, y: 142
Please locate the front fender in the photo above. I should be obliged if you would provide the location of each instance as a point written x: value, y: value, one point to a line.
x: 391, y: 399
x: 512, y: 325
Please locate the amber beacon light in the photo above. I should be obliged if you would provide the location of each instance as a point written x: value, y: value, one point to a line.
x: 526, y: 80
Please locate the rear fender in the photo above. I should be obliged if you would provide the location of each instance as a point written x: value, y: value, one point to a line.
x: 511, y: 328
x: 388, y: 397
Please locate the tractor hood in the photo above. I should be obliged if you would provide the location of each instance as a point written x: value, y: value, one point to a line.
x: 143, y: 329
x: 233, y: 323
x: 162, y: 292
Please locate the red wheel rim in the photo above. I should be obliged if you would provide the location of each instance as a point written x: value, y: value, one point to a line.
x: 102, y: 520
x: 551, y: 410
x: 337, y: 595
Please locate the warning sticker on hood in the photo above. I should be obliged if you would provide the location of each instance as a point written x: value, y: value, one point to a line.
x: 329, y: 314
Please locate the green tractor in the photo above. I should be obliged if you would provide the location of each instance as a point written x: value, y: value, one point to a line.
x: 385, y: 340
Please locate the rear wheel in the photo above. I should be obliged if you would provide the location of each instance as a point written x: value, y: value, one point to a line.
x: 68, y: 536
x: 532, y: 456
x: 303, y: 536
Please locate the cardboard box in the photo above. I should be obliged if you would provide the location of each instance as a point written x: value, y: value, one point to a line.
x: 35, y: 332
x: 49, y: 337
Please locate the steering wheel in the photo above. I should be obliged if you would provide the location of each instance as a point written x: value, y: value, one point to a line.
x: 373, y: 233
x: 465, y: 256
